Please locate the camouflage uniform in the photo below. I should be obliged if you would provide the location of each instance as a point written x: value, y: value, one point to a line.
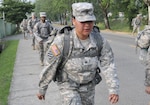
x: 143, y: 42
x: 30, y: 27
x: 147, y: 72
x: 76, y: 79
x: 77, y: 86
x: 42, y: 31
x: 23, y: 27
x: 136, y: 23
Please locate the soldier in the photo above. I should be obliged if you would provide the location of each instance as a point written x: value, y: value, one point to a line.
x: 143, y: 42
x: 147, y: 73
x: 42, y: 33
x: 31, y: 23
x: 136, y: 23
x: 23, y: 27
x: 76, y: 78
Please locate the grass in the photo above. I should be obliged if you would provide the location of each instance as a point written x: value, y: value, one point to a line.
x: 7, y: 60
x: 118, y: 25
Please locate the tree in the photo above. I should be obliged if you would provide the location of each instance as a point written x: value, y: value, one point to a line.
x: 15, y: 11
x: 57, y: 10
x: 61, y: 9
x: 133, y: 7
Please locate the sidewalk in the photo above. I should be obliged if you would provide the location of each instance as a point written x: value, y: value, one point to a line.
x: 24, y: 85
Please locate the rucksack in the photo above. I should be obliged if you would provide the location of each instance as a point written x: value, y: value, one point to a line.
x: 143, y: 42
x: 132, y: 23
x: 67, y: 49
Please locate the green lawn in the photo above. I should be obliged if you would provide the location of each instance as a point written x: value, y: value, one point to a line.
x: 7, y: 60
x: 119, y: 25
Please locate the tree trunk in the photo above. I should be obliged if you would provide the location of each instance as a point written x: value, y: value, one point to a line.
x: 61, y: 21
x: 106, y: 20
x: 104, y: 11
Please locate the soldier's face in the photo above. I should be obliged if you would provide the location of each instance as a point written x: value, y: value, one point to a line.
x: 43, y: 19
x: 83, y: 29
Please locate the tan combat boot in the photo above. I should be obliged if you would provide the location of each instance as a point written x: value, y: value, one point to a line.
x: 33, y: 47
x: 42, y: 64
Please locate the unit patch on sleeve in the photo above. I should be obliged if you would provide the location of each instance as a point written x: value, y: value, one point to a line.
x: 55, y: 50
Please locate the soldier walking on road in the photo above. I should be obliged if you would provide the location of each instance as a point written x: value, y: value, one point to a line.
x: 23, y: 27
x: 30, y: 27
x: 42, y: 33
x: 76, y: 73
x: 136, y: 23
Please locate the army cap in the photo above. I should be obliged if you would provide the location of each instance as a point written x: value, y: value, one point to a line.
x: 33, y: 14
x: 138, y: 15
x: 83, y: 11
x: 42, y: 14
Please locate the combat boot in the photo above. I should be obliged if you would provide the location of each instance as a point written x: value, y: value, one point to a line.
x: 33, y: 47
x: 42, y: 63
x: 37, y: 47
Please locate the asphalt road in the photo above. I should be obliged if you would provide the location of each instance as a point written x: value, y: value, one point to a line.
x: 131, y: 73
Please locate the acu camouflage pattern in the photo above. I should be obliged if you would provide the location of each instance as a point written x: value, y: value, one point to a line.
x: 31, y: 24
x: 147, y: 72
x: 143, y: 38
x: 77, y: 86
x: 23, y: 25
x: 42, y: 32
x: 143, y: 41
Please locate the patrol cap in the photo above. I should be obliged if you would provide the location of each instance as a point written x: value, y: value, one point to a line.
x: 138, y: 15
x: 83, y: 11
x: 33, y: 14
x: 42, y: 14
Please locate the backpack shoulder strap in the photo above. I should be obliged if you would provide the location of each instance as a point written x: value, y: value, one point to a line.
x: 98, y: 38
x: 68, y: 45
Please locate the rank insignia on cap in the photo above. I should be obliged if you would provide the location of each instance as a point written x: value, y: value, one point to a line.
x: 55, y: 50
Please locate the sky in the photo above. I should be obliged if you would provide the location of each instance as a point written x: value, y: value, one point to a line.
x: 32, y: 0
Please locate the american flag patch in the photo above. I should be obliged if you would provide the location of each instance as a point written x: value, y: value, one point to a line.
x: 55, y: 50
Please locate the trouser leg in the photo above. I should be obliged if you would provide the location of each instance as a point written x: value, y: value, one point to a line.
x: 134, y: 29
x: 138, y: 29
x: 25, y: 34
x: 87, y: 93
x: 33, y: 41
x: 41, y: 52
x: 73, y: 94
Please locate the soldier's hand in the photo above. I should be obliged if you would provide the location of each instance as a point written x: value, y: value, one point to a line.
x: 113, y: 98
x: 147, y: 90
x: 31, y: 32
x: 40, y: 97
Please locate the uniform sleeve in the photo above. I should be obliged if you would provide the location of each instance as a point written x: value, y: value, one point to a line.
x: 29, y: 25
x: 52, y: 59
x: 147, y: 71
x: 37, y: 29
x: 108, y: 68
x: 50, y: 28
